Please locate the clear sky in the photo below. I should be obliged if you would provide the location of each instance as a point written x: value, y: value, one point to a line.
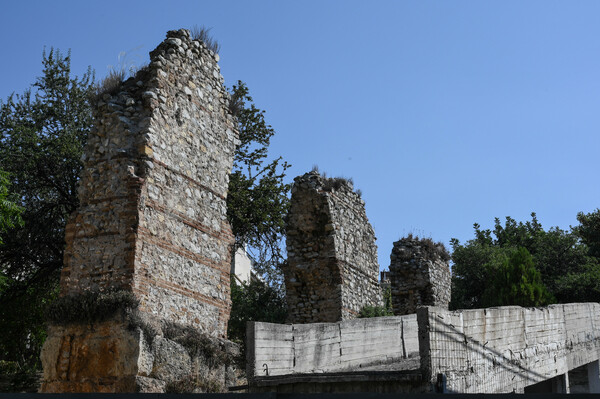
x: 445, y: 113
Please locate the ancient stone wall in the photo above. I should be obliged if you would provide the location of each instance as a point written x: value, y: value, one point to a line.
x: 332, y: 267
x: 419, y: 275
x: 152, y: 216
x: 153, y: 194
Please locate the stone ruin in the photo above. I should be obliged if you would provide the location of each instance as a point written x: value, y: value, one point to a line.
x: 152, y: 227
x: 419, y: 275
x: 151, y: 222
x: 332, y: 270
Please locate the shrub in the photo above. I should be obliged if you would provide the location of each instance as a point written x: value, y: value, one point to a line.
x: 90, y: 306
x: 197, y: 343
x: 374, y: 311
x: 111, y: 81
x: 425, y: 247
x: 253, y: 301
x: 335, y: 183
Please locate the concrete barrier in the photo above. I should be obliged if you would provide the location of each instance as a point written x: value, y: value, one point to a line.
x: 494, y: 350
x: 506, y: 349
x: 385, y: 342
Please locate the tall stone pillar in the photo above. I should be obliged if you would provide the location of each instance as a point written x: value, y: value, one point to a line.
x: 332, y: 269
x: 151, y: 223
x: 419, y: 275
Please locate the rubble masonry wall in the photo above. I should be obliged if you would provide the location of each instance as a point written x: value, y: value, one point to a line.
x: 332, y: 270
x: 419, y: 275
x: 152, y: 221
x: 153, y: 193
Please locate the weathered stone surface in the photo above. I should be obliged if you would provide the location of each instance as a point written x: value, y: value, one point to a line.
x: 152, y: 221
x: 150, y: 385
x: 84, y: 358
x: 145, y: 355
x: 153, y: 191
x: 419, y: 275
x: 332, y: 269
x: 171, y: 361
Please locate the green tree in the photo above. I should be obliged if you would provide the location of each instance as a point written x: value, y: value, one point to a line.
x: 556, y: 254
x: 474, y: 264
x: 10, y: 212
x: 589, y: 231
x: 42, y: 133
x: 258, y: 200
x: 253, y: 301
x: 516, y: 282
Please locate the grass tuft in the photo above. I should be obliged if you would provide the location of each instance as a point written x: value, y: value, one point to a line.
x: 202, y: 34
x: 197, y: 343
x: 335, y: 183
x: 425, y: 246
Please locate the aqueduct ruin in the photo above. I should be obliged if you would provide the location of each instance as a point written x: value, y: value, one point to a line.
x: 152, y: 224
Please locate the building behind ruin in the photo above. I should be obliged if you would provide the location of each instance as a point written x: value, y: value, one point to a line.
x: 332, y: 270
x: 152, y: 223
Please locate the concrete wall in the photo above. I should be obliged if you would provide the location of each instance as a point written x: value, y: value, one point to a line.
x: 495, y: 350
x: 279, y: 349
x: 241, y: 266
x: 505, y: 349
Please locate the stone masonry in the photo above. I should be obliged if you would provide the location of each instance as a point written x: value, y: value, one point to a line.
x: 419, y: 275
x: 332, y: 269
x: 152, y: 215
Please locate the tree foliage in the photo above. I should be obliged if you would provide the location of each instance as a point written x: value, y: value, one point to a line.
x: 10, y: 212
x: 257, y: 201
x: 516, y: 282
x: 42, y: 133
x: 562, y: 259
x: 589, y: 231
x: 254, y: 301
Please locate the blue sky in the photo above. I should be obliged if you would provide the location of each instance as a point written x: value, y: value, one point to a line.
x: 445, y: 113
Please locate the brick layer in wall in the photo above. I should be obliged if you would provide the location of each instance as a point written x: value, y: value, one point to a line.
x: 153, y: 221
x: 153, y: 191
